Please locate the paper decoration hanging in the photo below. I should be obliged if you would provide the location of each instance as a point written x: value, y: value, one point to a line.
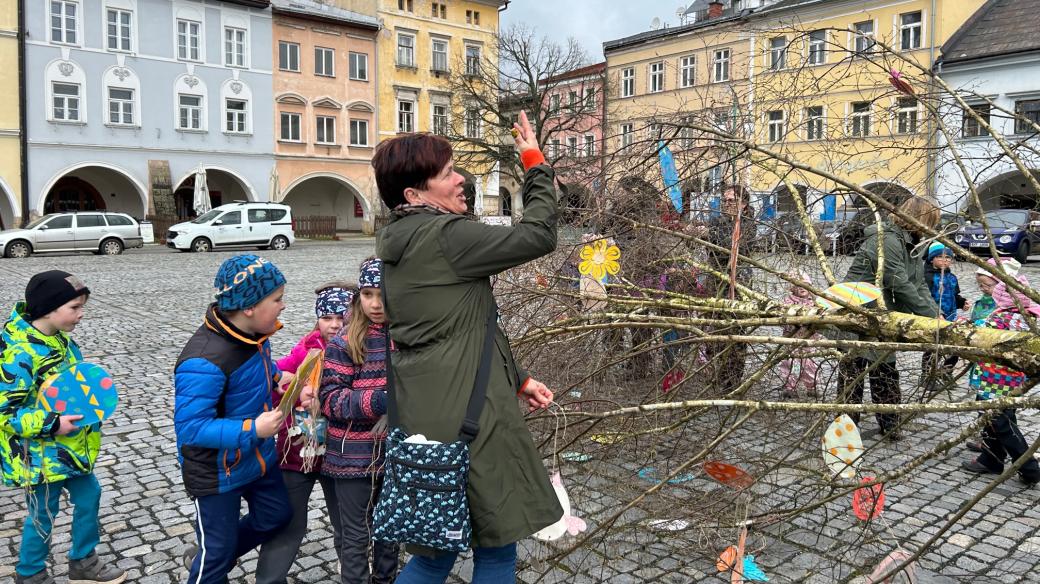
x: 599, y: 259
x: 749, y: 569
x: 868, y: 502
x: 83, y: 389
x: 908, y: 575
x: 897, y: 81
x: 649, y: 473
x: 852, y: 293
x: 609, y: 437
x: 575, y: 457
x: 308, y: 373
x: 668, y: 524
x: 842, y: 447
x: 729, y: 475
x: 568, y: 523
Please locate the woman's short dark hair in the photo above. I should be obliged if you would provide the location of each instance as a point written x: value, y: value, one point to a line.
x: 408, y: 162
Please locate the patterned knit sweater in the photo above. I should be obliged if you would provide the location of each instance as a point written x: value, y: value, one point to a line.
x: 998, y: 380
x: 353, y: 397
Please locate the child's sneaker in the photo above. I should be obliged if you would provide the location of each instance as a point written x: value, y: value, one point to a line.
x: 41, y: 577
x: 90, y: 570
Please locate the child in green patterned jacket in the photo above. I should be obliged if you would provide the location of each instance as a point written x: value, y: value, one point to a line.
x: 44, y: 452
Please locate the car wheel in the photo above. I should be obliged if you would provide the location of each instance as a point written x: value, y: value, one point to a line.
x: 18, y: 249
x: 111, y: 247
x: 1022, y: 253
x: 280, y: 242
x: 201, y: 245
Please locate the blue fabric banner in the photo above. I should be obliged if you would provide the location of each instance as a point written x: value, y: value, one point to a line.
x: 670, y: 175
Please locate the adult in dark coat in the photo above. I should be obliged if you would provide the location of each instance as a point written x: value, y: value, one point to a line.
x: 437, y: 280
x: 904, y: 290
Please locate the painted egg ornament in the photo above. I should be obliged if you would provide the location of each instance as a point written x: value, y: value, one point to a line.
x: 842, y: 447
x: 83, y: 389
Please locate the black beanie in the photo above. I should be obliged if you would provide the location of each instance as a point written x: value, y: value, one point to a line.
x: 48, y: 291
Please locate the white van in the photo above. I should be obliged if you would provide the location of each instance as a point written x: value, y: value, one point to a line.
x: 263, y: 225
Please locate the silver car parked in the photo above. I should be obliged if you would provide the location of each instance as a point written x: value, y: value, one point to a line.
x: 97, y: 232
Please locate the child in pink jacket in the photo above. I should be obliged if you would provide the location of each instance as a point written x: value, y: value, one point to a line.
x: 807, y: 366
x: 278, y: 554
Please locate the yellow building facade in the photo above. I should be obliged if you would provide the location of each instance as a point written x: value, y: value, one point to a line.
x: 809, y: 80
x: 423, y: 46
x: 10, y: 151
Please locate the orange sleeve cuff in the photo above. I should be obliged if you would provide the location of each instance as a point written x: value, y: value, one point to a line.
x: 247, y: 425
x: 532, y: 158
x: 523, y: 386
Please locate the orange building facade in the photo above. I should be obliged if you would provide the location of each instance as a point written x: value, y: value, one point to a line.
x: 325, y: 84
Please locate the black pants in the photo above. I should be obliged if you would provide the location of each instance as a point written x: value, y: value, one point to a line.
x: 356, y: 499
x: 884, y: 387
x: 278, y: 554
x: 726, y: 363
x: 1002, y: 439
x: 937, y: 370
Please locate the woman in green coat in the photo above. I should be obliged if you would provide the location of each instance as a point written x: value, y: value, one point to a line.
x: 904, y: 290
x: 438, y: 268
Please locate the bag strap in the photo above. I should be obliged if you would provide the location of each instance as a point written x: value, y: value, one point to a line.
x: 471, y: 423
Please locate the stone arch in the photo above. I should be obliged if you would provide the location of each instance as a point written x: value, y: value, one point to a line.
x: 329, y: 201
x: 891, y: 191
x: 505, y: 201
x: 83, y: 187
x: 784, y: 201
x: 1008, y: 190
x: 225, y: 186
x: 8, y: 204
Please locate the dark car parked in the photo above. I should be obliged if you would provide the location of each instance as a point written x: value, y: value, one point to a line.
x: 1015, y: 232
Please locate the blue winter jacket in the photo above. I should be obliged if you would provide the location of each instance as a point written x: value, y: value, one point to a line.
x: 951, y: 299
x: 223, y: 380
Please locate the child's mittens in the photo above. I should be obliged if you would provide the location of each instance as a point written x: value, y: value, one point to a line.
x: 380, y: 427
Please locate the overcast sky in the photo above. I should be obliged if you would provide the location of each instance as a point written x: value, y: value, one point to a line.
x: 591, y: 22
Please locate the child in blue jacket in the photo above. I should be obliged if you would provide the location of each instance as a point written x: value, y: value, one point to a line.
x: 946, y: 291
x: 225, y: 422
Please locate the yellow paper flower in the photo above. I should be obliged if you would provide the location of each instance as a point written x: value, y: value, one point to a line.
x: 599, y: 259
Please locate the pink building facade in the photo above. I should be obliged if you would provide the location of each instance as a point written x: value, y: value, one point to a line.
x: 574, y: 129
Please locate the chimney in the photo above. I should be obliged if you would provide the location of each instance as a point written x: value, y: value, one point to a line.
x: 715, y: 9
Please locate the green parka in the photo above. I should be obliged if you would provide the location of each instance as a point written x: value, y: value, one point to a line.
x: 438, y: 290
x: 903, y: 286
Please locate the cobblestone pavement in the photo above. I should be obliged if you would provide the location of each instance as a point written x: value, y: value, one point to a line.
x: 146, y: 304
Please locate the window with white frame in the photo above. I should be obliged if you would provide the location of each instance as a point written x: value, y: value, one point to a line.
x: 118, y: 29
x: 970, y: 126
x: 473, y: 17
x: 64, y: 15
x: 590, y: 145
x: 189, y: 34
x: 440, y: 119
x: 473, y: 122
x: 686, y: 134
x: 326, y: 130
x: 324, y: 62
x: 687, y: 71
x: 405, y: 5
x: 864, y: 40
x: 405, y: 115
x: 234, y: 47
x: 405, y: 50
x: 572, y: 100
x: 554, y: 104
x: 290, y: 127
x: 554, y: 148
x: 626, y: 135
x: 359, y: 66
x: 289, y: 56
x: 440, y: 55
x: 236, y: 116
x: 1027, y: 112
x: 720, y: 65
x: 776, y: 125
x: 472, y: 60
x: 359, y: 132
x: 120, y: 106
x: 66, y: 102
x: 777, y: 53
x: 814, y: 123
x: 859, y: 119
x: 590, y: 98
x: 189, y: 110
x: 657, y: 77
x: 816, y: 53
x: 438, y: 10
x: 723, y: 120
x: 906, y: 115
x: 572, y: 146
x: 910, y: 27
x: 628, y: 82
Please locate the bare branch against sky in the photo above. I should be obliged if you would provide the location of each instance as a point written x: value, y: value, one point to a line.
x: 591, y: 22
